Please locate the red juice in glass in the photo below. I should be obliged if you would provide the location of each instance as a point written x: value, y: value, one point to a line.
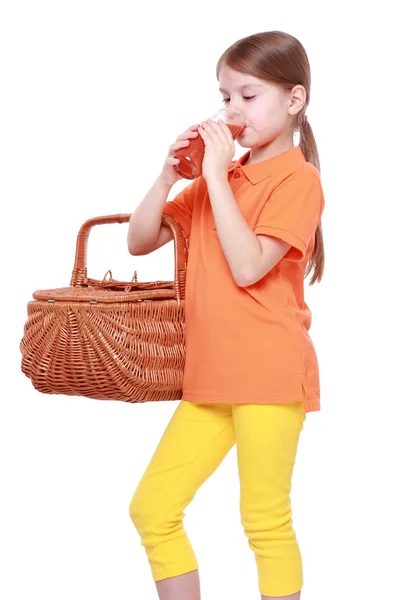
x: 191, y: 157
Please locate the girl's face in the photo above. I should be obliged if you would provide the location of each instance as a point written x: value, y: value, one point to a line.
x: 265, y: 105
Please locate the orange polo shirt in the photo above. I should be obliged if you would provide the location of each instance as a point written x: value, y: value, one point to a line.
x: 251, y: 344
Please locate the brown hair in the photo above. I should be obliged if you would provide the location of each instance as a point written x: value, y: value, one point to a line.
x: 279, y: 57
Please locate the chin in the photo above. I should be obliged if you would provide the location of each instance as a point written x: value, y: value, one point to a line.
x: 245, y: 144
x: 243, y: 140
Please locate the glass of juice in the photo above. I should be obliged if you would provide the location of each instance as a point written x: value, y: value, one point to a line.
x: 191, y: 157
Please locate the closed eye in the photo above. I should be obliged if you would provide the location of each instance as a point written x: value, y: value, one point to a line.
x: 244, y: 97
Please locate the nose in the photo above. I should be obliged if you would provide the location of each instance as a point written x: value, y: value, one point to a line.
x: 236, y: 114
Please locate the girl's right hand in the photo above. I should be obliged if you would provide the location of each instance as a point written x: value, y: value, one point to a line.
x: 168, y: 174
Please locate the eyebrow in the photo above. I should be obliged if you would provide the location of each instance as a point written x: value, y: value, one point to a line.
x: 243, y: 86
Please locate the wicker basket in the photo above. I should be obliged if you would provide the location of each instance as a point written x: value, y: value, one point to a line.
x: 109, y: 339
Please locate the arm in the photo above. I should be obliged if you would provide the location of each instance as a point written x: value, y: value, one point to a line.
x: 145, y: 221
x: 250, y: 257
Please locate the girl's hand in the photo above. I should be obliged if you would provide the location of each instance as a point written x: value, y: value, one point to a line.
x: 219, y: 149
x: 168, y: 174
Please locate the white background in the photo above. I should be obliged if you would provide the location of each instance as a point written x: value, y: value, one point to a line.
x: 92, y: 96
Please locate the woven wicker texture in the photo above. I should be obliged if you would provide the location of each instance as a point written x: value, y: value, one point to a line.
x: 109, y: 339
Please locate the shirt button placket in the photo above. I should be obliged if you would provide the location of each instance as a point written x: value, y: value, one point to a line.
x: 236, y: 180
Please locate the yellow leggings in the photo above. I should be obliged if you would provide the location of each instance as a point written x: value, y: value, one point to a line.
x: 193, y: 445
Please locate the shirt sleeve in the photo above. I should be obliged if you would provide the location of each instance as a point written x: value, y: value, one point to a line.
x: 181, y: 207
x: 293, y: 211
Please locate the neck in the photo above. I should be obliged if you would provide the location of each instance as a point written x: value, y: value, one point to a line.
x: 269, y: 150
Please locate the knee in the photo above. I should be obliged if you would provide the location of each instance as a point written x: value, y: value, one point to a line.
x: 137, y: 512
x: 269, y: 523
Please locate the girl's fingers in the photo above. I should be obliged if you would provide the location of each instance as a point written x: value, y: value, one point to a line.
x: 189, y: 130
x: 178, y: 145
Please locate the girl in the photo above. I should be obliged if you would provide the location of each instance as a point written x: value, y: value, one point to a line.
x: 251, y: 371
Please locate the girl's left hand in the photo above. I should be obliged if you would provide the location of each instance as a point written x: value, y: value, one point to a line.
x: 219, y: 149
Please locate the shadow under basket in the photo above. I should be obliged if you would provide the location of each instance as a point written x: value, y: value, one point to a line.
x: 109, y: 339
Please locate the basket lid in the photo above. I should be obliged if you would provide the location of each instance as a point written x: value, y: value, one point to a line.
x: 95, y: 296
x: 108, y: 290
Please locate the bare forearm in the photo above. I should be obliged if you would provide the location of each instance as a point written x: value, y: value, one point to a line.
x: 145, y: 221
x: 239, y: 244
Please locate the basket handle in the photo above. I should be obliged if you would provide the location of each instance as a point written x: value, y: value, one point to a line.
x: 79, y: 272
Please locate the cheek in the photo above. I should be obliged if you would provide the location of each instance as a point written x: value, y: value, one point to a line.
x: 261, y: 117
x: 271, y: 119
x: 264, y: 119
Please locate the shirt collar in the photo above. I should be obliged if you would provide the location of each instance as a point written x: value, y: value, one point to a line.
x: 258, y: 171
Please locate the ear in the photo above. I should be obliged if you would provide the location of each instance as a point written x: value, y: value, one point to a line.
x: 297, y: 99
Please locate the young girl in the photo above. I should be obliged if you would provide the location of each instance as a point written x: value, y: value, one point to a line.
x: 251, y: 371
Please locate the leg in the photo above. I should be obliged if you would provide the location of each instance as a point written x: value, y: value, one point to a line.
x: 267, y: 437
x: 180, y: 587
x: 194, y: 443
